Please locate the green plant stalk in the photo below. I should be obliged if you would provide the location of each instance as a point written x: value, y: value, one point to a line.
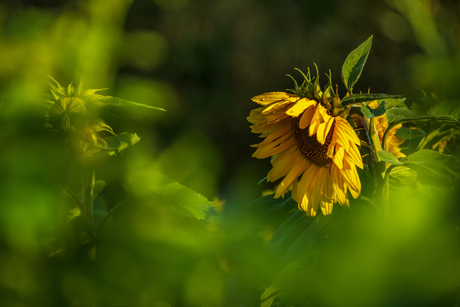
x: 377, y: 166
x: 386, y: 193
x: 89, y: 180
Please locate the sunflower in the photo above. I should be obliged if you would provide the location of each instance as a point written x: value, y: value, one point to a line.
x: 392, y: 141
x: 311, y: 143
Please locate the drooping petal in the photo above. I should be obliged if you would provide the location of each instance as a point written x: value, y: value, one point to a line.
x: 273, y: 97
x: 299, y: 107
x: 306, y: 117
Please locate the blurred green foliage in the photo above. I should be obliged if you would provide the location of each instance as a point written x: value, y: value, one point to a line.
x: 202, y: 61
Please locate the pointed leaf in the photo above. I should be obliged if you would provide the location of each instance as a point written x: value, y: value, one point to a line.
x: 357, y: 98
x: 116, y: 143
x: 186, y: 202
x: 369, y: 112
x: 354, y: 64
x: 388, y: 157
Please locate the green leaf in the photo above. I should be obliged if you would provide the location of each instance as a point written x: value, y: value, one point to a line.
x: 398, y: 116
x: 293, y: 271
x: 406, y: 133
x: 98, y: 188
x: 119, y: 142
x: 357, y: 98
x: 433, y: 167
x: 185, y: 201
x: 450, y: 107
x: 354, y: 64
x: 388, y: 157
x: 395, y: 103
x: 269, y: 204
x: 114, y: 101
x: 369, y: 112
x: 402, y: 176
x: 297, y: 235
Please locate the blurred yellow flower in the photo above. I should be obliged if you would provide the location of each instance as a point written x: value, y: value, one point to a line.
x: 312, y: 146
x: 392, y: 141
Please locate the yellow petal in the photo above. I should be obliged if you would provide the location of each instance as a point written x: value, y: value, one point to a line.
x: 264, y: 152
x: 326, y: 207
x: 297, y: 169
x: 315, y: 121
x: 299, y: 107
x: 272, y: 97
x: 339, y: 156
x: 306, y: 117
x: 323, y: 130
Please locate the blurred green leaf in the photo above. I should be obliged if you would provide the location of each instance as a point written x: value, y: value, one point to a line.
x: 183, y: 200
x: 114, y: 101
x: 354, y: 64
x: 357, y: 98
x: 119, y: 142
x: 402, y: 176
x: 297, y: 235
x: 98, y: 187
x: 277, y: 206
x: 290, y: 272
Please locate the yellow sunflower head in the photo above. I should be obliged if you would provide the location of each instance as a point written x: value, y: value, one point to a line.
x: 311, y: 143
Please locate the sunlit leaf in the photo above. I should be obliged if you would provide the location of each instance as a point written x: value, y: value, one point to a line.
x: 354, y: 64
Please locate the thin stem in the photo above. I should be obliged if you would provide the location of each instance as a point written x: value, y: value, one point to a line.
x: 386, y: 193
x: 87, y: 195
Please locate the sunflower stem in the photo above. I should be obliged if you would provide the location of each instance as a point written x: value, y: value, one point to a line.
x: 89, y: 180
x: 386, y: 193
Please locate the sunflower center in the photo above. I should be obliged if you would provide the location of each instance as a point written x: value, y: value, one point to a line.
x: 309, y: 145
